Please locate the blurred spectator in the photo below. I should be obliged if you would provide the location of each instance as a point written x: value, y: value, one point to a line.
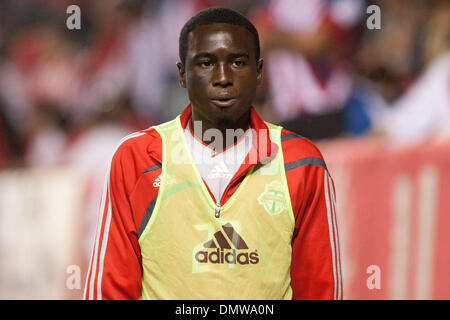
x: 437, y: 35
x: 89, y: 154
x: 47, y: 137
x: 135, y: 50
x: 306, y: 45
x: 152, y: 49
x: 388, y: 62
x: 392, y: 53
x: 414, y: 79
x: 103, y: 62
x: 424, y: 110
x: 11, y: 146
x: 38, y: 76
x: 326, y: 74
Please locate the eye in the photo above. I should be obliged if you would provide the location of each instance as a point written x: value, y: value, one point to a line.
x: 238, y: 63
x: 205, y: 64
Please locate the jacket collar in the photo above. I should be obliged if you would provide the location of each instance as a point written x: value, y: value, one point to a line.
x: 262, y: 151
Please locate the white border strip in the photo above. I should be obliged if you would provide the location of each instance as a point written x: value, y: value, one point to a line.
x: 426, y: 235
x: 400, y: 235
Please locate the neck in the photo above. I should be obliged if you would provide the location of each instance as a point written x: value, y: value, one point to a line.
x: 219, y: 134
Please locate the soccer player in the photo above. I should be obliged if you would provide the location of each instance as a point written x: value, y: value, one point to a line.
x: 190, y: 213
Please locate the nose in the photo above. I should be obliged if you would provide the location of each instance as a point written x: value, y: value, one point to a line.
x: 222, y: 76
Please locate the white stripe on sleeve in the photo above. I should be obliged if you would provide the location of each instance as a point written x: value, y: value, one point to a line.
x: 92, y: 279
x: 336, y: 235
x: 330, y: 229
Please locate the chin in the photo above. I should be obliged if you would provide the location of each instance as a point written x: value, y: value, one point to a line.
x: 225, y: 121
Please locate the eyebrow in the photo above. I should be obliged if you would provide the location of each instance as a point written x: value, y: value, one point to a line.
x: 203, y: 55
x: 209, y: 55
x: 240, y: 54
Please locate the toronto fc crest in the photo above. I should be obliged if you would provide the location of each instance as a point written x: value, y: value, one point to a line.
x: 272, y: 199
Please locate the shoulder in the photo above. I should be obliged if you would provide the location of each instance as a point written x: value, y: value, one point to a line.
x: 296, y: 147
x: 133, y: 156
x: 140, y: 143
x: 305, y: 170
x: 137, y: 152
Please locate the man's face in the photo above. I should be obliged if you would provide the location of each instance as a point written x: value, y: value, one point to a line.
x: 221, y: 73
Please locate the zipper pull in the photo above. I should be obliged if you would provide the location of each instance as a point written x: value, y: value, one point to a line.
x: 217, y: 215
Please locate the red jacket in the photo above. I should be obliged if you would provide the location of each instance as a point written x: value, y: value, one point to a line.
x: 115, y: 268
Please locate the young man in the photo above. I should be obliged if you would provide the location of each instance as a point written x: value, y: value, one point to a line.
x: 251, y: 217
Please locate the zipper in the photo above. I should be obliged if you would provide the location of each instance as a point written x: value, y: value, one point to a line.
x: 217, y: 214
x: 218, y: 205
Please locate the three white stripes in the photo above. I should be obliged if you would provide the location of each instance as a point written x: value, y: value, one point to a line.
x: 91, y: 278
x: 334, y: 240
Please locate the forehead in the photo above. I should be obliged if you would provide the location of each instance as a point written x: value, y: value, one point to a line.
x: 217, y: 36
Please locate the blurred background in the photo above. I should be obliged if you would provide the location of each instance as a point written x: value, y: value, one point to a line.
x: 375, y: 100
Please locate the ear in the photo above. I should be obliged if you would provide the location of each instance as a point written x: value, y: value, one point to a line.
x: 181, y: 74
x: 259, y: 70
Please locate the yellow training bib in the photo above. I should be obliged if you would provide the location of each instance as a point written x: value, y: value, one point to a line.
x: 244, y: 253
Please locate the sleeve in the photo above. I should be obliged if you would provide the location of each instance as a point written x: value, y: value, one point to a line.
x: 115, y: 266
x: 315, y: 266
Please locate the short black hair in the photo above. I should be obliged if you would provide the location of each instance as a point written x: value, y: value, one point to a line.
x: 216, y: 15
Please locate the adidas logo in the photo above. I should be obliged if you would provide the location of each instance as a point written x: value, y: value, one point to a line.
x: 220, y: 171
x: 157, y: 181
x: 227, y: 244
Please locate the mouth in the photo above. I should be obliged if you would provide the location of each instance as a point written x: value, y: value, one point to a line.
x: 224, y: 102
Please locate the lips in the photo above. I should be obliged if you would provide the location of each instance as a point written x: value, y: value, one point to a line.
x: 224, y: 101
